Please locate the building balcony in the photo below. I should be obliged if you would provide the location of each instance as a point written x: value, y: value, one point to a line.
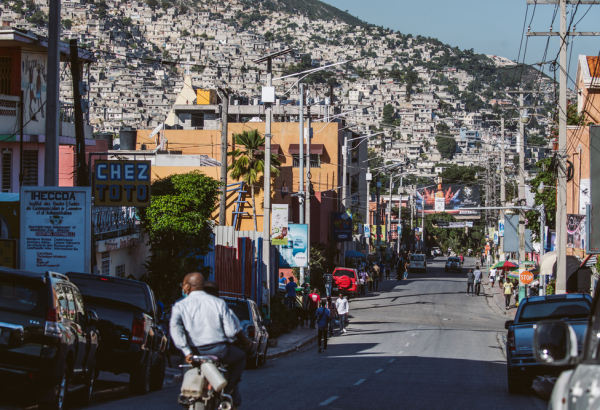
x: 112, y: 222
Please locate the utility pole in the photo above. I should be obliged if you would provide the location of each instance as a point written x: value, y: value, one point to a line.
x: 502, y: 183
x: 378, y: 215
x: 389, y: 222
x: 521, y: 148
x: 308, y: 135
x: 561, y: 197
x: 82, y: 173
x: 52, y: 96
x: 368, y: 213
x: 21, y: 108
x: 224, y: 114
x: 301, y: 168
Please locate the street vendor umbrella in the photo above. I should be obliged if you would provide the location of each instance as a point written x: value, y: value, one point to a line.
x: 504, y: 265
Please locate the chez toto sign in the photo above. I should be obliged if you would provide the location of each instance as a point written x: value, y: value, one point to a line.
x: 122, y: 183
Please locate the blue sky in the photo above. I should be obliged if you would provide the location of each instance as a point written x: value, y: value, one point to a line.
x: 487, y: 26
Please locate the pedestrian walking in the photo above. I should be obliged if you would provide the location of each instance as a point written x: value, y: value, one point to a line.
x: 462, y: 259
x: 322, y: 315
x: 482, y: 258
x: 363, y: 280
x: 333, y: 315
x: 328, y: 280
x: 470, y: 281
x: 290, y: 293
x: 406, y: 267
x: 375, y: 279
x: 341, y: 305
x: 492, y: 277
x: 370, y: 282
x: 315, y: 298
x: 508, y: 288
x: 378, y: 270
x: 478, y: 274
x: 387, y: 271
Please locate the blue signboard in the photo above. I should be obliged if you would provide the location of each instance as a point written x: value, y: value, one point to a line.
x: 341, y: 227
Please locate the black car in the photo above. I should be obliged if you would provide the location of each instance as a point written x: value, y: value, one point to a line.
x: 453, y: 264
x: 253, y: 326
x: 48, y: 338
x: 132, y: 340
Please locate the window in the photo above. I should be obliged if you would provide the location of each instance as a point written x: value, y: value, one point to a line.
x: 120, y: 271
x: 30, y: 168
x: 315, y: 161
x: 6, y: 170
x: 70, y: 303
x: 6, y: 75
x: 105, y: 266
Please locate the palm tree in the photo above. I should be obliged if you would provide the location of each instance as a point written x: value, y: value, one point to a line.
x: 248, y: 161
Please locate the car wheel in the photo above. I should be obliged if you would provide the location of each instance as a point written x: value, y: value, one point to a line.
x: 139, y: 381
x: 157, y: 378
x: 86, y: 395
x: 254, y: 361
x: 60, y: 396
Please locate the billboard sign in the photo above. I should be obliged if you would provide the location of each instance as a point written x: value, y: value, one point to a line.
x: 576, y: 233
x: 367, y: 231
x: 56, y: 229
x: 501, y: 228
x: 122, y: 183
x: 450, y: 198
x: 341, y: 224
x: 279, y: 224
x: 293, y: 253
x: 462, y: 224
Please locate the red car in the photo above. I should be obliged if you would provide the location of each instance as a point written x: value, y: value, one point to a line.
x: 345, y: 280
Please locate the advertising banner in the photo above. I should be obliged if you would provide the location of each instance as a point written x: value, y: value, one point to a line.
x: 496, y: 238
x: 455, y: 225
x: 279, y: 224
x: 293, y: 253
x: 450, y: 198
x: 576, y: 235
x: 56, y: 227
x: 8, y: 253
x: 341, y: 227
x: 367, y: 231
x: 501, y: 227
x: 122, y: 183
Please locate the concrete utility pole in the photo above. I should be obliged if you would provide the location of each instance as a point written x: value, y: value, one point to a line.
x: 502, y: 183
x: 224, y: 114
x: 52, y: 96
x: 389, y: 222
x: 307, y: 191
x: 561, y: 197
x: 301, y: 167
x: 378, y: 215
x: 521, y: 148
x: 82, y: 174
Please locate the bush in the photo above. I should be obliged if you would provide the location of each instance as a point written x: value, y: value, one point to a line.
x: 550, y: 289
x: 282, y: 320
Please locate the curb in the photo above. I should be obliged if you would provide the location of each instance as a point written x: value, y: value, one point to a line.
x: 119, y: 392
x: 292, y: 349
x: 501, y: 337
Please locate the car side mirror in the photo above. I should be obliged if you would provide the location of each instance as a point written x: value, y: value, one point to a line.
x: 92, y: 317
x: 554, y: 343
x: 508, y: 323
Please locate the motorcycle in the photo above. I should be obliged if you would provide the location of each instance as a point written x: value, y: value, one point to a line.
x: 203, y: 385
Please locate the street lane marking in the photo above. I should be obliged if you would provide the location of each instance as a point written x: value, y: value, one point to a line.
x: 329, y: 400
x: 379, y: 371
x: 400, y: 352
x: 359, y: 382
x: 406, y: 345
x: 391, y: 361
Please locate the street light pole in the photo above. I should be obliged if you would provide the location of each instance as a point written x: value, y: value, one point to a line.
x: 301, y: 168
x: 267, y: 187
x: 502, y: 183
x: 307, y: 190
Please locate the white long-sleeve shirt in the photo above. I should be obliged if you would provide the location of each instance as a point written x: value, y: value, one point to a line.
x: 201, y: 319
x: 342, y: 306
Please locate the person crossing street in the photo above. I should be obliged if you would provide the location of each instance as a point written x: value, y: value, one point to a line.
x: 322, y: 315
x: 478, y: 274
x: 328, y: 279
x: 341, y: 306
x: 470, y: 281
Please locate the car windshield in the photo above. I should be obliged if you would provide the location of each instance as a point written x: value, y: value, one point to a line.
x: 22, y: 294
x: 239, y: 308
x: 344, y: 272
x: 555, y: 309
x: 417, y: 258
x: 453, y: 260
x: 96, y: 290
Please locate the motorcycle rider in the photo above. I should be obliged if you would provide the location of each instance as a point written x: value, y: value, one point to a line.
x: 202, y: 324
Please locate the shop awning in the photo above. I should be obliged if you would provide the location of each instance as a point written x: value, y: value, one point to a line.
x: 314, y: 149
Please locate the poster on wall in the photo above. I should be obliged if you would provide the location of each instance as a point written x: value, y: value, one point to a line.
x: 341, y: 226
x: 450, y: 198
x: 293, y: 253
x: 34, y: 73
x: 576, y: 231
x: 279, y: 224
x: 56, y: 227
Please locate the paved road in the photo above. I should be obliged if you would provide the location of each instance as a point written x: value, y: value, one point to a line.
x: 415, y: 344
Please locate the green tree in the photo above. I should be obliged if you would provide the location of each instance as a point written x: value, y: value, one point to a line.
x: 153, y: 4
x: 39, y: 18
x: 442, y: 128
x: 179, y: 225
x: 248, y: 162
x: 67, y: 24
x: 446, y: 146
x: 388, y: 114
x: 459, y: 174
x: 546, y: 198
x: 127, y: 22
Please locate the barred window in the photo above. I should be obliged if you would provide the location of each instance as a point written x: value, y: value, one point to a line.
x: 6, y: 170
x: 120, y: 271
x: 6, y: 75
x: 30, y: 167
x: 315, y: 161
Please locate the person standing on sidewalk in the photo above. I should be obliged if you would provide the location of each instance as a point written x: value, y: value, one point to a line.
x: 478, y: 274
x: 314, y: 299
x: 406, y: 268
x: 332, y: 315
x: 341, y: 306
x: 508, y: 288
x: 376, y: 279
x: 470, y: 281
x: 492, y: 277
x: 328, y: 279
x: 322, y: 315
x: 290, y: 293
x: 370, y: 282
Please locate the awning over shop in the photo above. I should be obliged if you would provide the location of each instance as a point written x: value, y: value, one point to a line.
x: 548, y: 264
x: 354, y: 254
x: 314, y: 149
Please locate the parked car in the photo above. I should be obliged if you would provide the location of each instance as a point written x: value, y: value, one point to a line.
x: 522, y: 367
x: 131, y: 340
x: 453, y: 264
x: 417, y: 262
x: 252, y: 323
x: 48, y: 340
x: 437, y: 251
x: 345, y: 280
x: 558, y: 345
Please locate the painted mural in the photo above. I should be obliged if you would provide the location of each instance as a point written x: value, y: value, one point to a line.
x: 33, y: 83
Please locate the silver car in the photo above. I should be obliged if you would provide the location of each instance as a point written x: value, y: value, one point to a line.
x: 418, y: 261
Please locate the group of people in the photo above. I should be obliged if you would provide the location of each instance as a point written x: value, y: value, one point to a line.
x: 474, y: 278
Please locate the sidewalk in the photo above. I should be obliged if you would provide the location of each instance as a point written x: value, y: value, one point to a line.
x: 497, y: 295
x: 291, y: 342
